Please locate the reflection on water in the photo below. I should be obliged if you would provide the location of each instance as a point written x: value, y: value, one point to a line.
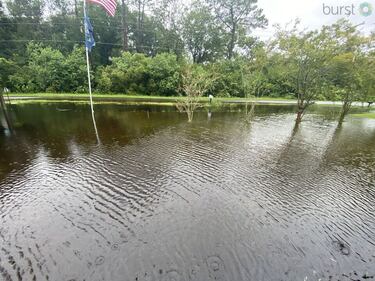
x: 162, y: 199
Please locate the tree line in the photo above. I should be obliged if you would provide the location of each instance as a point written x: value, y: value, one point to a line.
x: 147, y: 47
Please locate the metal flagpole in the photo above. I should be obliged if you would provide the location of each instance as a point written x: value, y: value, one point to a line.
x: 89, y: 76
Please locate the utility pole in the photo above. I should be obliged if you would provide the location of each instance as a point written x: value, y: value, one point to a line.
x: 124, y: 27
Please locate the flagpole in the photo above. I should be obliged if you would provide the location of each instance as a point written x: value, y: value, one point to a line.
x: 89, y: 78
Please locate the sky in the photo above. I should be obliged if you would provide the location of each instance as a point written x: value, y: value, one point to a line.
x: 312, y: 16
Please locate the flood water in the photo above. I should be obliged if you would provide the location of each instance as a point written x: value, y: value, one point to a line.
x: 159, y: 199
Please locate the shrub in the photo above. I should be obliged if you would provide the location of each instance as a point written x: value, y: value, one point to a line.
x: 140, y: 74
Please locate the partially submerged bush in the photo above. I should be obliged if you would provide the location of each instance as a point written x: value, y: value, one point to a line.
x: 195, y: 82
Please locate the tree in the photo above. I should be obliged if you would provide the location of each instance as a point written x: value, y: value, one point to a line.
x: 138, y: 73
x: 48, y: 70
x: 346, y: 80
x: 124, y: 23
x: 108, y: 35
x: 163, y: 73
x: 195, y: 83
x: 307, y: 55
x: 7, y: 68
x: 167, y: 15
x: 30, y: 9
x: 64, y: 31
x: 348, y: 68
x: 7, y: 29
x: 229, y: 82
x: 74, y: 71
x: 367, y: 74
x: 61, y: 7
x: 237, y: 16
x: 140, y: 7
x: 202, y: 35
x: 256, y: 73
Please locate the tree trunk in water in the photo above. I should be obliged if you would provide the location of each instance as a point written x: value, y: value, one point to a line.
x: 302, y: 106
x: 299, y: 114
x: 252, y: 111
x: 190, y: 115
x: 344, y: 111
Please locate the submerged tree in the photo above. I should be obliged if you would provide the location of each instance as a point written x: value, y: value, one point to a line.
x: 346, y: 80
x: 307, y: 55
x: 368, y: 80
x: 350, y: 69
x: 194, y: 84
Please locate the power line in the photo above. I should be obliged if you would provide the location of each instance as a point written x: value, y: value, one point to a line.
x: 119, y: 27
x: 82, y: 42
x: 95, y: 19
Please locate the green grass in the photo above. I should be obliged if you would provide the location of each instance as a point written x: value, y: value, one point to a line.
x: 42, y: 101
x: 74, y: 95
x: 67, y: 96
x: 370, y: 115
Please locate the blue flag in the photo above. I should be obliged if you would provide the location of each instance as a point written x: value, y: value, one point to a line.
x: 89, y: 34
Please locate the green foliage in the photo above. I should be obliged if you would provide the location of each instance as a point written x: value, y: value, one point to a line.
x: 48, y: 70
x: 203, y: 36
x: 267, y: 75
x: 324, y: 64
x: 74, y: 71
x: 230, y: 82
x: 6, y: 34
x: 7, y: 68
x: 367, y: 75
x: 196, y: 81
x: 306, y: 55
x: 237, y: 17
x: 143, y: 49
x: 136, y: 73
x: 27, y: 9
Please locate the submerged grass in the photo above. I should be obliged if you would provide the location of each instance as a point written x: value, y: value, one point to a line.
x: 370, y: 115
x: 59, y: 96
x: 27, y: 101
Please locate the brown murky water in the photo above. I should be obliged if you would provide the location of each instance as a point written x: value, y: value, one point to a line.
x: 160, y: 199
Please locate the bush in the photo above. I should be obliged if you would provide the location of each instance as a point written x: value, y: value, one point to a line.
x: 140, y: 74
x: 230, y: 82
x: 48, y: 70
x: 7, y: 68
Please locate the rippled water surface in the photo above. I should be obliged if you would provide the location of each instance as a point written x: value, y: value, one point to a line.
x: 160, y: 199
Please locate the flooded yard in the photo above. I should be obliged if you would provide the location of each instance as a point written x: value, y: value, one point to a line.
x: 162, y: 199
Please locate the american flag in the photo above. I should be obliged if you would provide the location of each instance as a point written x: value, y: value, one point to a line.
x: 108, y: 5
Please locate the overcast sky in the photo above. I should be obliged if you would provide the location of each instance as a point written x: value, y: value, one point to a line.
x: 310, y: 12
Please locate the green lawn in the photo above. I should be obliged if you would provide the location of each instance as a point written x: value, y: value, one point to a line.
x: 124, y: 97
x: 370, y: 115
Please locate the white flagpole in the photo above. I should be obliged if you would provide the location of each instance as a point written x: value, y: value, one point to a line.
x: 89, y: 77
